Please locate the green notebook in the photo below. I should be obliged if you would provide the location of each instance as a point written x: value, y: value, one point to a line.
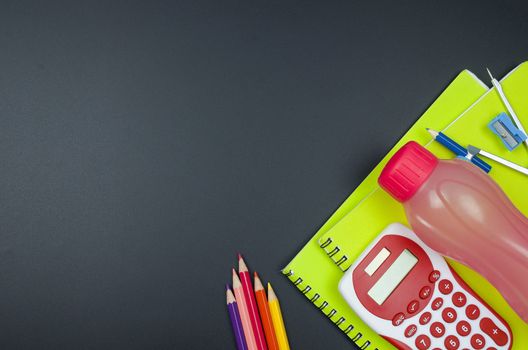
x: 316, y: 276
x: 348, y: 238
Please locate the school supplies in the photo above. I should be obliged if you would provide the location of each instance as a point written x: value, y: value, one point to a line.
x: 498, y: 87
x: 316, y: 272
x: 407, y: 293
x: 278, y: 322
x: 244, y: 313
x: 356, y: 229
x: 457, y: 149
x: 265, y: 315
x: 256, y: 325
x: 451, y: 206
x: 509, y: 134
x: 462, y: 109
x: 236, y: 323
x: 474, y: 151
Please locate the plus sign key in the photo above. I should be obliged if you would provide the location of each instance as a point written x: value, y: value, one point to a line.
x: 494, y: 332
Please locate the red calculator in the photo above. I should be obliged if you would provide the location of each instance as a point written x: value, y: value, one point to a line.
x: 409, y: 294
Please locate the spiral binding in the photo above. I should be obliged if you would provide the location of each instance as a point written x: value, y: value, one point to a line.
x: 332, y: 252
x: 323, y: 305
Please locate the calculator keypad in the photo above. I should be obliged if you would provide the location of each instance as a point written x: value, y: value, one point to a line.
x: 448, y: 326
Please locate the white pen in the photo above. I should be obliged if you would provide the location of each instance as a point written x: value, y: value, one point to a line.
x: 498, y: 87
x: 475, y: 150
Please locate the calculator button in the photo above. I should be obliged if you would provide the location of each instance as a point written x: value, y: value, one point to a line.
x: 422, y: 342
x: 437, y: 303
x: 445, y: 286
x: 449, y: 315
x: 434, y: 276
x: 410, y: 330
x: 494, y: 332
x: 478, y: 341
x: 425, y: 292
x: 463, y: 328
x: 425, y: 318
x: 437, y: 329
x: 451, y: 342
x: 472, y: 311
x: 459, y: 299
x: 398, y: 319
x: 413, y: 307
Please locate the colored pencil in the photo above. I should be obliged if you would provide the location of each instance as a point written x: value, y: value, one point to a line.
x: 247, y: 286
x: 265, y: 316
x: 244, y: 314
x: 278, y: 322
x: 234, y: 315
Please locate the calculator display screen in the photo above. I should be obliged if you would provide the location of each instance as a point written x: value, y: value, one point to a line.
x: 387, y: 283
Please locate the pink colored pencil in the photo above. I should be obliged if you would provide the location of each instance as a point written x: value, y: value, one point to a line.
x: 244, y: 313
x: 249, y: 294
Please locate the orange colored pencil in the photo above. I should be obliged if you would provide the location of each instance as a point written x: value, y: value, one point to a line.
x: 247, y: 286
x: 265, y: 316
x: 244, y: 314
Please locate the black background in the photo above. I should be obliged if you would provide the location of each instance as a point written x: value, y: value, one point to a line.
x: 143, y: 144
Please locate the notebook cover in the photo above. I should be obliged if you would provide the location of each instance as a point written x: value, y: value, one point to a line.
x: 348, y: 238
x: 317, y: 277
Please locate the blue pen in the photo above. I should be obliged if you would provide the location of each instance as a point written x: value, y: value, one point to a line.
x: 460, y: 151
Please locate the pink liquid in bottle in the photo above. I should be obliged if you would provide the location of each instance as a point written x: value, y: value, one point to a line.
x: 460, y: 212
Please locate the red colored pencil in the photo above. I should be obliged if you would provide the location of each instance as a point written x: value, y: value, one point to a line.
x: 265, y: 316
x: 247, y: 286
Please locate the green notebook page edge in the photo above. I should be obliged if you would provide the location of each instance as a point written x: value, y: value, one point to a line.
x: 316, y: 275
x: 357, y: 229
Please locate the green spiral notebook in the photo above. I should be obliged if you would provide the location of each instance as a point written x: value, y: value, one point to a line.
x: 348, y: 238
x: 316, y: 275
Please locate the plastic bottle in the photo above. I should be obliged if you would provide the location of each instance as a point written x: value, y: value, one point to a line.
x: 460, y: 212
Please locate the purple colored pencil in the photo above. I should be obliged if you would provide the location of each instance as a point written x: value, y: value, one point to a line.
x: 235, y: 320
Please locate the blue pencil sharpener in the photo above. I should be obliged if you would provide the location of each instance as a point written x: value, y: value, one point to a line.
x: 510, y: 135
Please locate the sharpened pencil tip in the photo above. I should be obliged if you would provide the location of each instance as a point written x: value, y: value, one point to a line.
x: 240, y: 256
x: 433, y: 133
x: 228, y: 287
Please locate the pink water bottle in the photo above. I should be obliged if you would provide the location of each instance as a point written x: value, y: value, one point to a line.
x: 460, y: 212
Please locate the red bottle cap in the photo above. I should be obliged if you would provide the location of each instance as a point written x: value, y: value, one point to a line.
x: 407, y: 170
